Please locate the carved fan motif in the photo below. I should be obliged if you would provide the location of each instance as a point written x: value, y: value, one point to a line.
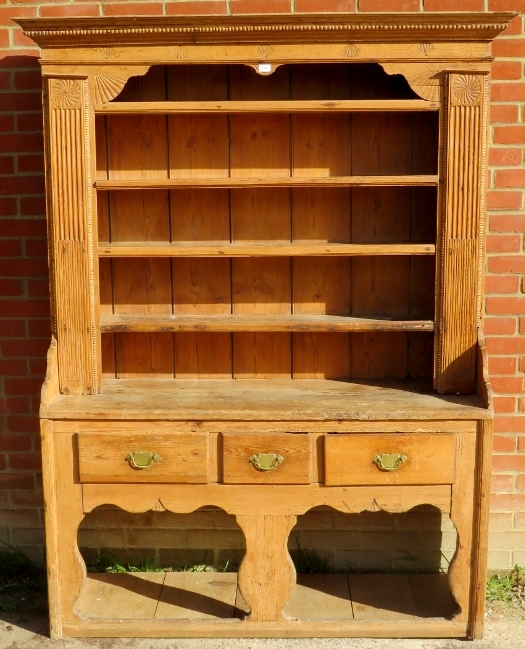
x: 427, y: 82
x: 264, y: 51
x: 180, y: 53
x: 66, y: 93
x: 426, y: 48
x: 427, y: 87
x: 107, y: 88
x: 350, y: 51
x: 107, y: 52
x: 466, y: 89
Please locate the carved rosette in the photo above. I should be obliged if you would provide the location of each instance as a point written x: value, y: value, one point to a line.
x: 466, y: 90
x: 66, y: 93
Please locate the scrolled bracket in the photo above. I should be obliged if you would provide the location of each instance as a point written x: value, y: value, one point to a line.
x: 264, y: 68
x: 107, y: 82
x: 425, y: 80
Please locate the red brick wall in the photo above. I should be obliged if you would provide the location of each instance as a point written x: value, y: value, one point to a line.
x: 24, y: 307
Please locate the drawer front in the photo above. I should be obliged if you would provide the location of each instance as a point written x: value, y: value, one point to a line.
x: 412, y: 459
x: 255, y: 458
x: 138, y: 457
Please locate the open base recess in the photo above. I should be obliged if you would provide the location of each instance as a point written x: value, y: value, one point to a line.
x: 186, y: 603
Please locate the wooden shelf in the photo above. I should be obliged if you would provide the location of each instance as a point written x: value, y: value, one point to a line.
x: 265, y: 400
x: 299, y: 323
x: 307, y: 106
x: 259, y: 249
x: 181, y: 596
x: 239, y: 183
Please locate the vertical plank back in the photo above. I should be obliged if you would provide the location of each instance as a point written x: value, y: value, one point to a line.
x: 137, y: 148
x: 260, y: 148
x: 105, y: 266
x: 321, y: 285
x: 199, y: 148
x: 269, y: 145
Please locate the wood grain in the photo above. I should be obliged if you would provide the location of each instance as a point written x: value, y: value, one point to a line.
x: 208, y: 629
x: 462, y: 515
x: 73, y: 268
x: 237, y: 448
x: 260, y: 145
x: 299, y: 322
x: 266, y: 546
x: 293, y: 227
x: 251, y: 400
x: 464, y: 162
x: 120, y: 596
x: 267, y: 248
x: 50, y: 387
x: 430, y: 459
x: 386, y: 597
x: 306, y: 106
x: 64, y: 513
x: 182, y: 458
x: 277, y: 499
x: 137, y: 146
x: 282, y: 426
x: 320, y: 597
x: 481, y: 528
x: 104, y: 234
x: 197, y: 595
x: 322, y: 147
x: 280, y: 180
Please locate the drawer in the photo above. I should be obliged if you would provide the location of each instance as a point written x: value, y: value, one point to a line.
x: 357, y: 459
x: 177, y: 457
x: 259, y: 458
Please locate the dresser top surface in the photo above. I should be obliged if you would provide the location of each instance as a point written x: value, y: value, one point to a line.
x: 275, y: 400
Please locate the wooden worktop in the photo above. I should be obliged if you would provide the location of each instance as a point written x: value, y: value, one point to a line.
x: 250, y: 400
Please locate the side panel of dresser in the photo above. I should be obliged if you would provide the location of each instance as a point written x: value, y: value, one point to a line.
x: 71, y: 232
x: 461, y: 232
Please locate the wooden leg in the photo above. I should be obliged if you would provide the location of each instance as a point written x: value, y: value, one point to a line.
x: 267, y: 574
x: 462, y: 515
x: 481, y: 527
x: 63, y: 514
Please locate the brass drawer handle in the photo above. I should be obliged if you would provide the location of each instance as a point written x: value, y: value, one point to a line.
x: 389, y: 461
x: 142, y: 459
x: 266, y: 461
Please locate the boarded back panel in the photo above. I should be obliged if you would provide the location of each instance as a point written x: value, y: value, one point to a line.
x: 199, y: 148
x: 137, y: 148
x: 260, y: 148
